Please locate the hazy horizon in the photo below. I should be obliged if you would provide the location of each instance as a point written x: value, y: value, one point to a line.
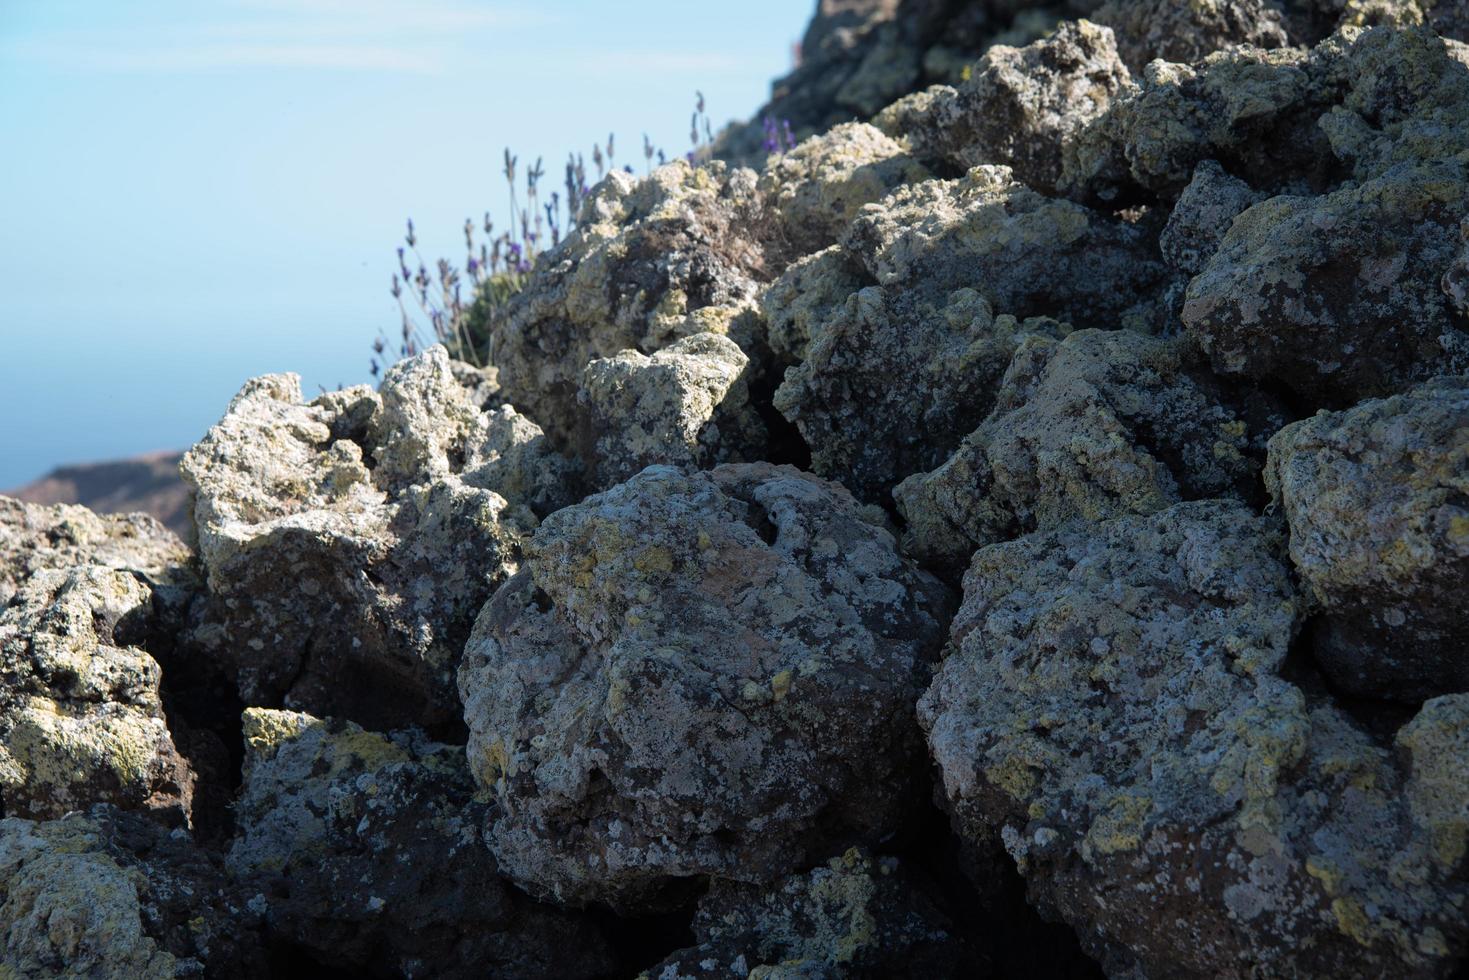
x: 194, y: 197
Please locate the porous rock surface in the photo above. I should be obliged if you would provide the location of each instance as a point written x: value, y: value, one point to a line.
x: 349, y: 541
x: 854, y: 916
x: 34, y: 538
x: 893, y: 378
x: 1377, y: 498
x: 1101, y: 424
x: 81, y: 716
x: 669, y: 688
x: 1017, y: 106
x: 368, y: 850
x: 645, y: 255
x: 686, y: 405
x: 1114, y: 714
x: 109, y: 894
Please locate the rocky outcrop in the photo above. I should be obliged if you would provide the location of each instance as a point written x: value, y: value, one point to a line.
x: 367, y: 849
x: 1115, y: 717
x: 665, y: 692
x: 81, y: 715
x: 1148, y: 327
x: 1377, y: 498
x: 112, y: 894
x: 349, y: 541
x: 1017, y: 106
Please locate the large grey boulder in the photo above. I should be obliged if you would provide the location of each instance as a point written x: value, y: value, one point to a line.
x: 693, y: 676
x: 1114, y: 715
x: 1377, y: 498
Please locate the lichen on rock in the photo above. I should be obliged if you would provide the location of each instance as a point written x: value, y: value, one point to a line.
x: 1101, y: 424
x: 1114, y: 715
x: 349, y: 541
x: 368, y: 850
x: 894, y: 377
x: 1377, y: 498
x: 668, y: 690
x: 109, y: 894
x: 81, y: 720
x: 855, y: 916
x: 686, y: 405
x: 1018, y: 105
x: 645, y: 254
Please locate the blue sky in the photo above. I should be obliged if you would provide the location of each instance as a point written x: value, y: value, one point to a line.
x: 194, y: 193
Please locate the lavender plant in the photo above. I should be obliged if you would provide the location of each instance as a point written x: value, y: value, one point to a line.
x: 445, y: 305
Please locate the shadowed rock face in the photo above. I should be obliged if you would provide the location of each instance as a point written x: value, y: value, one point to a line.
x: 1113, y: 714
x: 369, y: 851
x: 112, y: 894
x: 667, y: 690
x: 1377, y: 498
x: 854, y: 916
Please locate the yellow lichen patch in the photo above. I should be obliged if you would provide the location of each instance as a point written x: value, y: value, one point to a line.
x: 1120, y: 826
x: 1352, y: 920
x: 654, y: 559
x: 780, y: 685
x: 265, y: 728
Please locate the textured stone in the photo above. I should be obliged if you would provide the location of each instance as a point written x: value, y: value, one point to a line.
x: 686, y: 405
x: 1017, y: 106
x: 806, y: 295
x: 1253, y: 110
x: 1102, y: 424
x: 890, y: 383
x: 1377, y: 498
x: 1290, y: 119
x: 1456, y: 279
x: 1114, y: 715
x: 368, y: 851
x: 895, y: 376
x: 1188, y: 32
x: 645, y: 254
x: 1202, y: 216
x: 855, y: 916
x: 817, y: 188
x: 669, y: 689
x: 349, y: 541
x: 110, y: 895
x: 34, y: 537
x: 1027, y: 254
x: 81, y: 717
x: 1338, y: 297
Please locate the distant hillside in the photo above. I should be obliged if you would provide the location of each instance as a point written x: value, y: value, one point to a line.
x: 148, y: 483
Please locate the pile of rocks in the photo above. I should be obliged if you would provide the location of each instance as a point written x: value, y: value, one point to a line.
x: 1018, y: 531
